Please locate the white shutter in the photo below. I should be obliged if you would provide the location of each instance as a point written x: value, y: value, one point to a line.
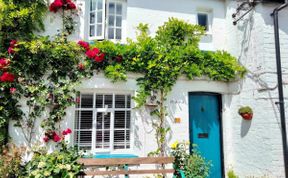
x: 96, y: 19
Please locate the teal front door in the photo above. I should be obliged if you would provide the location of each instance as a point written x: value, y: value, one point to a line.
x: 205, y: 128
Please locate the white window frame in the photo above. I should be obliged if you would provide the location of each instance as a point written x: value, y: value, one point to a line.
x: 105, y: 11
x: 111, y: 111
x: 209, y: 20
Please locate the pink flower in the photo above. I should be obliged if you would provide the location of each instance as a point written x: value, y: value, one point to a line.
x: 100, y: 58
x: 57, y: 4
x: 81, y: 66
x: 13, y: 43
x: 7, y: 77
x: 92, y: 53
x: 56, y: 137
x: 70, y: 5
x: 12, y: 90
x: 77, y: 100
x: 4, y: 63
x: 84, y: 44
x: 67, y: 131
x: 11, y: 50
x: 45, y: 139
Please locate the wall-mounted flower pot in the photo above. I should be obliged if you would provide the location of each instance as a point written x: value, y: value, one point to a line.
x: 247, y: 116
x: 246, y: 113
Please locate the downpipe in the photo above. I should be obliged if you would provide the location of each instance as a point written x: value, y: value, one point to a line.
x: 280, y: 84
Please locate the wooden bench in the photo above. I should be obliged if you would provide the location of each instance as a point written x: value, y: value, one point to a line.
x: 125, y: 163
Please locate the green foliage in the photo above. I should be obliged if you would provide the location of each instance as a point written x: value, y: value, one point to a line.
x: 57, y: 164
x: 245, y: 110
x: 231, y: 174
x: 193, y: 165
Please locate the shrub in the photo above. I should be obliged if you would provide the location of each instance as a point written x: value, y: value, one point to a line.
x: 193, y: 165
x: 61, y: 163
x: 245, y: 110
x: 231, y: 174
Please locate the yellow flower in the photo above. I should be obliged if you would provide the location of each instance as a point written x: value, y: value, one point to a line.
x: 47, y: 173
x: 41, y: 165
x: 68, y: 167
x: 174, y: 145
x: 61, y: 166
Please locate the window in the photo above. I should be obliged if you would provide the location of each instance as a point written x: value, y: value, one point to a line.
x: 203, y: 20
x: 102, y: 121
x: 106, y: 19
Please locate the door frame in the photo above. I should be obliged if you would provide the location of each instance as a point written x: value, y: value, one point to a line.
x: 219, y: 97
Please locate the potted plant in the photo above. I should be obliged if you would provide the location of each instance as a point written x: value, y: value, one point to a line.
x: 246, y: 112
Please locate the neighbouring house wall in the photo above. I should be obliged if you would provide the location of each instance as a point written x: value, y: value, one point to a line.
x: 255, y: 148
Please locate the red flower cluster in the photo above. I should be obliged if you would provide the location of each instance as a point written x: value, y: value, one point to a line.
x: 64, y: 4
x: 12, y: 90
x: 4, y: 63
x: 84, y: 44
x: 52, y: 135
x: 7, y: 77
x: 13, y: 44
x: 95, y: 54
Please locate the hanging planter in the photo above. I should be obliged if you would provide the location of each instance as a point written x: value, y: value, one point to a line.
x: 246, y: 112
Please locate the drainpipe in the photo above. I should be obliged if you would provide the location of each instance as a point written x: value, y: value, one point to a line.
x: 280, y: 84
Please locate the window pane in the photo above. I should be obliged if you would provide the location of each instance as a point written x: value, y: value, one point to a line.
x: 118, y: 34
x: 92, y: 5
x: 128, y: 101
x: 92, y: 18
x: 92, y: 30
x: 107, y: 121
x: 119, y: 139
x: 119, y: 101
x: 111, y: 8
x: 108, y: 101
x: 99, y: 138
x: 119, y: 9
x: 100, y: 5
x: 83, y: 139
x: 86, y: 101
x: 111, y: 20
x: 86, y: 119
x: 77, y: 120
x: 128, y: 119
x: 111, y: 33
x: 99, y: 30
x: 99, y: 101
x: 119, y: 120
x: 118, y: 21
x: 203, y: 20
x: 99, y: 121
x: 106, y: 139
x: 99, y: 17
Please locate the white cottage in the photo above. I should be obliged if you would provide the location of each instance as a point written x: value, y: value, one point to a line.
x: 110, y: 125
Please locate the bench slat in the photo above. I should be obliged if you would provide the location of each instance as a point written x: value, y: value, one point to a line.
x: 128, y: 161
x: 154, y: 171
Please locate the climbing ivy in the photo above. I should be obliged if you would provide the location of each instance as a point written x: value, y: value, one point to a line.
x: 44, y: 71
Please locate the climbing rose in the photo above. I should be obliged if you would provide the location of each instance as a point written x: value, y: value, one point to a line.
x: 92, y: 53
x: 67, y: 131
x: 84, y: 44
x: 56, y: 137
x: 7, y: 77
x: 3, y: 63
x: 11, y: 50
x: 13, y: 43
x: 70, y: 5
x: 99, y: 58
x: 12, y: 90
x: 45, y: 139
x: 57, y: 4
x: 77, y: 100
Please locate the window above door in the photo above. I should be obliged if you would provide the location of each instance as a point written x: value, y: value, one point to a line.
x: 105, y: 19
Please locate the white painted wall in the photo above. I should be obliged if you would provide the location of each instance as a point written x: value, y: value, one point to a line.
x: 250, y: 148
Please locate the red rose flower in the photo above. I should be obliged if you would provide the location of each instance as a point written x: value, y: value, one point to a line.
x: 100, y: 58
x: 56, y: 137
x: 11, y: 50
x: 118, y: 59
x: 70, y: 5
x: 67, y: 131
x: 77, y: 100
x: 45, y: 139
x: 81, y: 66
x: 13, y: 43
x: 7, y: 77
x: 92, y: 53
x: 57, y: 4
x: 12, y: 90
x: 84, y: 44
x: 4, y: 63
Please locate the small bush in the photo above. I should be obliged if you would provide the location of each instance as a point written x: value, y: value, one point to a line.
x: 245, y: 110
x: 231, y: 174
